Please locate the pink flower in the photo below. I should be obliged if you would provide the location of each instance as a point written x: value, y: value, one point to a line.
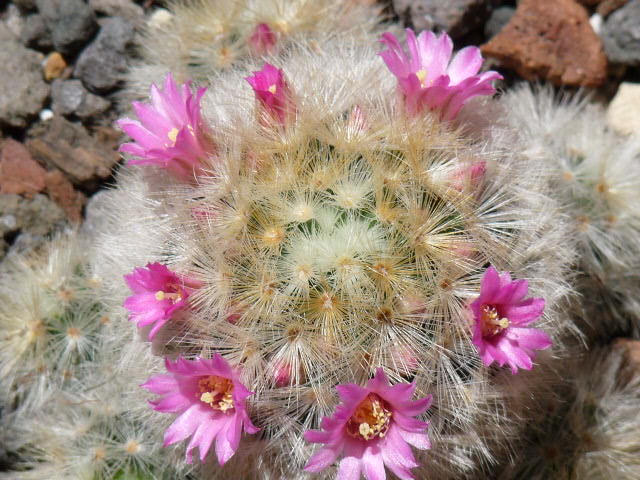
x: 501, y: 315
x: 371, y: 428
x: 429, y: 80
x: 157, y: 294
x: 171, y: 132
x: 273, y: 93
x: 263, y: 40
x: 211, y: 400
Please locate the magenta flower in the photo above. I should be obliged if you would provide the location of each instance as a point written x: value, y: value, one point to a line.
x: 157, y: 294
x: 501, y: 315
x: 273, y: 93
x: 428, y: 79
x: 371, y: 428
x: 211, y: 400
x: 262, y: 40
x: 170, y: 132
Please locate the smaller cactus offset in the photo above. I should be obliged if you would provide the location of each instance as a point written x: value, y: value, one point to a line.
x: 201, y: 37
x: 596, y: 178
x: 592, y: 430
x: 50, y: 320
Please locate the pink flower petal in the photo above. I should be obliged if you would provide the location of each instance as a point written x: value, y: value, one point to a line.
x: 349, y: 469
x: 322, y: 459
x: 185, y: 425
x: 465, y: 63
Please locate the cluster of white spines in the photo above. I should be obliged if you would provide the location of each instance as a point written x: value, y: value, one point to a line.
x: 66, y: 412
x: 596, y: 178
x: 591, y: 429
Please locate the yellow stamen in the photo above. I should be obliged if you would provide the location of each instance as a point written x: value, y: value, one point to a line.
x: 492, y: 324
x: 174, y: 297
x: 217, y: 392
x: 272, y: 88
x: 173, y: 135
x: 422, y: 75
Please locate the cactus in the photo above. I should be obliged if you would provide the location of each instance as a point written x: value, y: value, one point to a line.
x: 596, y: 180
x: 592, y: 424
x: 331, y: 232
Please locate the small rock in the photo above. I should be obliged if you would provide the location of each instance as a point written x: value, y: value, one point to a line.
x: 22, y: 89
x: 118, y: 8
x: 92, y: 106
x: 102, y: 64
x: 66, y: 197
x: 621, y: 35
x: 69, y: 147
x: 72, y: 23
x: 457, y: 17
x: 551, y: 39
x: 623, y: 114
x: 45, y: 115
x: 67, y: 96
x: 54, y: 66
x: 19, y: 173
x: 498, y: 19
x: 596, y: 22
x: 35, y: 33
x: 70, y: 97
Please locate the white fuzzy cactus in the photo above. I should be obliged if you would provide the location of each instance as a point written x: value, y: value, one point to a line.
x: 596, y: 178
x: 591, y: 430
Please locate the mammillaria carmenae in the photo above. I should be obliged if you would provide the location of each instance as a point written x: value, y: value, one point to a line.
x: 326, y: 237
x: 333, y: 234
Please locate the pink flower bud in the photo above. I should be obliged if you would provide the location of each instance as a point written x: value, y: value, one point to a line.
x: 263, y: 40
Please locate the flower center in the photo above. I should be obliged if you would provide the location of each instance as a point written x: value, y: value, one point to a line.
x: 371, y: 419
x: 173, y: 135
x: 217, y: 392
x: 422, y: 75
x: 492, y: 324
x: 273, y: 89
x: 173, y: 296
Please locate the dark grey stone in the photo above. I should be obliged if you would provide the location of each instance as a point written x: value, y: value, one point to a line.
x: 70, y: 97
x: 25, y: 5
x: 498, y: 19
x: 92, y: 106
x: 72, y: 23
x: 621, y: 35
x: 456, y: 17
x: 22, y: 88
x: 35, y: 33
x: 67, y: 96
x: 102, y: 64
